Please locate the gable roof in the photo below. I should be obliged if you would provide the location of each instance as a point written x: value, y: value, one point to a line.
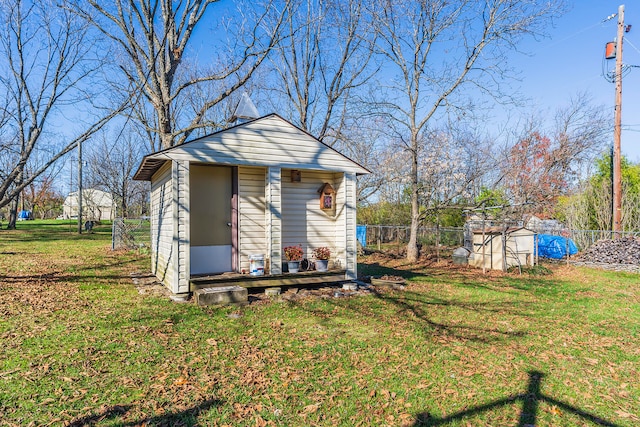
x: 266, y: 141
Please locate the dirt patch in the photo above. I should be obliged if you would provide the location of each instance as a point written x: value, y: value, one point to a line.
x: 390, y: 263
x: 298, y: 294
x: 148, y: 284
x: 427, y: 264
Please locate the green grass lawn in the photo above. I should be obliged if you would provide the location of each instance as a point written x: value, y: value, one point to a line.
x: 80, y: 346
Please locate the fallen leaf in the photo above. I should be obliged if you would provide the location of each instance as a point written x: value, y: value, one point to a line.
x: 180, y: 381
x: 260, y: 422
x: 623, y: 414
x: 310, y: 409
x: 555, y: 410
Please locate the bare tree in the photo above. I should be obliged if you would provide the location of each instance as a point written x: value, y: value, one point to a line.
x: 599, y: 195
x: 574, y: 209
x: 451, y: 165
x: 43, y: 198
x: 153, y: 38
x: 48, y: 63
x: 112, y: 163
x: 363, y: 140
x: 432, y: 49
x: 547, y: 163
x: 630, y: 208
x: 323, y: 57
x: 589, y: 207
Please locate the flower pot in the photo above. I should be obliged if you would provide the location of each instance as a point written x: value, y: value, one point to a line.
x: 322, y: 264
x: 294, y: 266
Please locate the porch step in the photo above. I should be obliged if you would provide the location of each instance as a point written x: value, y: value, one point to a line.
x: 222, y: 295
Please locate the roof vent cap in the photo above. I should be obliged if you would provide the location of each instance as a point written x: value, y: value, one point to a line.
x: 245, y: 110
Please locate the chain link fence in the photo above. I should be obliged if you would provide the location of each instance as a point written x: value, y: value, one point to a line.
x: 380, y: 236
x: 586, y: 238
x: 384, y: 236
x: 128, y: 233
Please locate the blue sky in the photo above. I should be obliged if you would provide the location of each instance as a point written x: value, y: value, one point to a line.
x: 567, y: 62
x: 571, y: 61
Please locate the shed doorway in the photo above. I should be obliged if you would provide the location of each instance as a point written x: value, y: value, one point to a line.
x: 211, y: 192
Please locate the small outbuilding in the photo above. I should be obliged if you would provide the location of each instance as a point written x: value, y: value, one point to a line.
x: 220, y: 201
x: 97, y: 205
x: 498, y: 248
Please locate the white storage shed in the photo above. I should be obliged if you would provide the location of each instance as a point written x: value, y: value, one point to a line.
x: 250, y: 189
x: 498, y: 248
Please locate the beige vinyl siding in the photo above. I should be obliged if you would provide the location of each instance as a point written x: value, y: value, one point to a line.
x: 273, y: 219
x: 303, y: 222
x: 270, y: 141
x: 162, y: 226
x: 341, y: 221
x: 350, y: 219
x: 182, y: 226
x: 251, y: 214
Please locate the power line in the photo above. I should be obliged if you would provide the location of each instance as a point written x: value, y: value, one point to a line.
x: 631, y: 44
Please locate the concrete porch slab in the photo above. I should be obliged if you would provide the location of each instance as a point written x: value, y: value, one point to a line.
x: 222, y: 295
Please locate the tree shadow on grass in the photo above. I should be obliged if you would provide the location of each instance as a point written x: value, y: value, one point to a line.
x: 417, y: 306
x: 465, y: 276
x: 409, y: 302
x: 187, y: 417
x: 530, y: 401
x: 62, y: 276
x: 52, y: 234
x: 413, y: 307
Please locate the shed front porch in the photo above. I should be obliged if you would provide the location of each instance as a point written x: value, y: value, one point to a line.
x: 303, y: 278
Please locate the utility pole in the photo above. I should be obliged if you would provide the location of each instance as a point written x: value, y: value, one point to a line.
x: 79, y: 187
x: 617, y: 131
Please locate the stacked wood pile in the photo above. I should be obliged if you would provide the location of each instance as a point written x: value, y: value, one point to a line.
x: 625, y: 250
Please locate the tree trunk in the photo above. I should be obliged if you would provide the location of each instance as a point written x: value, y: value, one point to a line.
x: 164, y: 119
x: 13, y: 213
x: 124, y: 207
x: 412, y: 246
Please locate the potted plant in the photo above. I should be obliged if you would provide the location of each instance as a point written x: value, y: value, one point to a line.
x: 322, y: 255
x: 293, y: 254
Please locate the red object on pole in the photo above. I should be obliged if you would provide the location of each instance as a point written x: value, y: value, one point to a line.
x: 610, y: 50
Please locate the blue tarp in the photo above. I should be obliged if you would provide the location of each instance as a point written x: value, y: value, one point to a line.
x: 24, y: 215
x: 361, y: 235
x: 555, y: 247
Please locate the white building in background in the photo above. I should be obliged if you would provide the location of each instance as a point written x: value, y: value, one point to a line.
x: 97, y: 205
